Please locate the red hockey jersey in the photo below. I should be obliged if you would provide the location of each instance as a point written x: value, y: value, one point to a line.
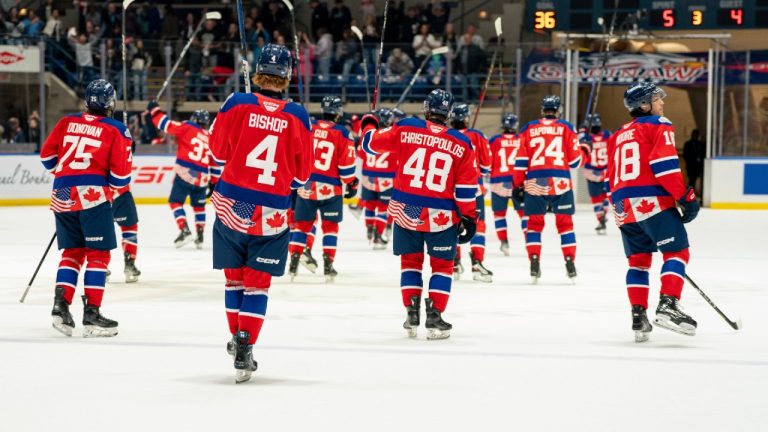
x: 436, y: 175
x: 193, y: 161
x: 378, y: 170
x: 594, y: 170
x: 643, y: 169
x: 267, y: 148
x: 503, y: 148
x: 548, y: 149
x: 89, y: 156
x: 334, y: 161
x: 482, y: 155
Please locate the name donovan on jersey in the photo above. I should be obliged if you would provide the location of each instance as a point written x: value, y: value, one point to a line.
x: 84, y: 129
x: 546, y: 130
x: 432, y: 141
x: 273, y: 124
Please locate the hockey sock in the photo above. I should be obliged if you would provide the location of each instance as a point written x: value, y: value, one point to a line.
x: 673, y: 272
x: 179, y: 214
x: 95, y: 275
x: 233, y: 296
x: 311, y: 236
x: 564, y: 225
x: 69, y: 269
x: 597, y: 205
x: 477, y: 243
x: 330, y: 238
x: 199, y: 216
x: 523, y: 221
x: 533, y: 235
x: 369, y: 215
x: 606, y: 203
x: 254, y: 305
x: 458, y: 251
x: 411, y: 282
x: 299, y: 236
x: 500, y: 222
x: 637, y: 279
x: 381, y: 216
x: 440, y: 282
x: 130, y: 240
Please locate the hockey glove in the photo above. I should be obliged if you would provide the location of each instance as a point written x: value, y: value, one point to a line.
x: 152, y: 105
x: 690, y: 205
x: 351, y: 189
x: 369, y: 120
x: 211, y: 188
x: 518, y: 194
x: 467, y: 229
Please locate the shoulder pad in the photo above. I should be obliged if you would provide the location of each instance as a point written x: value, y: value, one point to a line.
x: 657, y: 120
x: 344, y: 131
x: 299, y: 112
x: 459, y: 136
x: 563, y: 122
x: 193, y: 124
x: 238, y: 98
x: 477, y: 132
x: 411, y: 121
x: 117, y: 125
x: 75, y: 115
x: 527, y: 125
x: 494, y: 138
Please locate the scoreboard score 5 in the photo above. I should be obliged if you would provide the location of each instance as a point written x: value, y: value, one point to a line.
x: 581, y: 15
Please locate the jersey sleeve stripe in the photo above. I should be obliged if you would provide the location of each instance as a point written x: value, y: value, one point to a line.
x: 163, y: 124
x: 465, y: 193
x: 347, y: 172
x: 367, y: 142
x: 219, y: 162
x: 665, y: 165
x: 296, y: 183
x: 663, y: 173
x: 576, y: 162
x: 118, y: 181
x: 50, y: 162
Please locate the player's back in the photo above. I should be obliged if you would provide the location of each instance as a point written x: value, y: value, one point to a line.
x: 548, y: 149
x: 378, y: 170
x: 334, y: 159
x: 503, y: 148
x: 482, y: 151
x: 599, y: 154
x: 192, y: 150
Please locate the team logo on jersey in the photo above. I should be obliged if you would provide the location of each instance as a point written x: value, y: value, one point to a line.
x: 270, y: 106
x: 89, y: 117
x: 436, y: 129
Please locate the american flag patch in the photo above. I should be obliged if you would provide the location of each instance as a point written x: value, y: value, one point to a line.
x: 406, y: 215
x: 235, y: 214
x: 61, y: 200
x: 538, y: 186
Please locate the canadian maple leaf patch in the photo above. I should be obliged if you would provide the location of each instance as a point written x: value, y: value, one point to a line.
x: 276, y: 221
x: 92, y: 195
x: 645, y: 207
x: 441, y: 219
x: 562, y: 184
x: 385, y: 183
x: 325, y: 190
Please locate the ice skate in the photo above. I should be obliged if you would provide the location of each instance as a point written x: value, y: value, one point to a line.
x: 640, y: 324
x: 479, y: 272
x: 231, y: 347
x: 670, y: 317
x: 369, y: 232
x: 504, y: 247
x: 293, y: 266
x: 62, y: 319
x: 355, y: 210
x: 199, y: 238
x: 600, y: 228
x: 412, y: 321
x: 387, y: 234
x: 244, y: 363
x: 378, y: 241
x: 131, y: 272
x: 328, y: 270
x: 570, y: 268
x: 95, y: 324
x: 308, y: 261
x: 185, y: 236
x: 109, y: 273
x: 458, y: 268
x: 535, y: 269
x: 436, y: 327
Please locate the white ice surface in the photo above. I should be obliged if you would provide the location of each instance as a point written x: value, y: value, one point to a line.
x: 549, y: 357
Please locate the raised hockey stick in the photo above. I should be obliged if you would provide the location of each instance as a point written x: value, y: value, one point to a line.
x: 592, y: 104
x: 34, y: 275
x: 437, y: 51
x: 359, y: 35
x: 126, y: 4
x: 243, y: 48
x: 299, y: 82
x: 208, y: 16
x: 497, y: 25
x: 377, y: 81
x: 736, y: 325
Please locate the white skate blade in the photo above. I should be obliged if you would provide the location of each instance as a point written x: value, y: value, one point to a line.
x: 477, y: 276
x: 377, y: 246
x: 199, y: 246
x: 311, y: 267
x: 436, y: 334
x: 293, y: 276
x: 179, y: 244
x: 663, y: 321
x: 58, y: 324
x: 131, y: 278
x: 412, y: 332
x: 330, y: 279
x: 505, y: 252
x: 96, y: 331
x: 242, y: 375
x: 535, y: 280
x: 641, y: 336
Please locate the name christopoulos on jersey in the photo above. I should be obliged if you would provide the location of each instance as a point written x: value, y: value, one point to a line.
x: 273, y: 124
x: 432, y: 141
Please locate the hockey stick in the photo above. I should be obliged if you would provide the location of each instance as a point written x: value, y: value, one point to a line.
x: 288, y: 4
x: 436, y: 51
x: 126, y: 4
x: 40, y: 264
x: 501, y: 71
x: 359, y: 35
x: 243, y: 48
x: 593, y: 108
x: 377, y: 81
x: 497, y: 25
x: 736, y: 325
x: 208, y: 16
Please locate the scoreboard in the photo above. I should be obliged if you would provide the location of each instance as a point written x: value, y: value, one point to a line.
x: 581, y: 15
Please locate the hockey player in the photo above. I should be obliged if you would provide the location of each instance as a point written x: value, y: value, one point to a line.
x: 127, y: 218
x: 378, y: 180
x: 646, y: 186
x: 460, y: 121
x: 265, y: 145
x: 504, y: 148
x: 433, y: 203
x: 90, y: 155
x: 549, y: 147
x: 594, y: 170
x: 334, y: 165
x: 196, y: 173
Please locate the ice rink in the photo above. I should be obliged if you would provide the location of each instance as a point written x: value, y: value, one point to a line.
x: 552, y: 357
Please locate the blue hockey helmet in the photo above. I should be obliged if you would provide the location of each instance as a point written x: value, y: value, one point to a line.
x: 592, y: 120
x: 100, y: 95
x: 201, y: 117
x: 641, y: 94
x: 332, y: 105
x: 460, y: 112
x: 398, y: 113
x: 550, y: 102
x: 508, y: 121
x: 439, y: 102
x: 385, y: 116
x: 274, y: 60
